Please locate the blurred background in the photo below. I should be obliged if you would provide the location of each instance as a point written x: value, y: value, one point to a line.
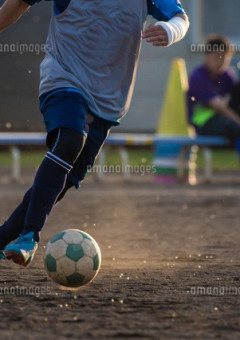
x: 19, y: 69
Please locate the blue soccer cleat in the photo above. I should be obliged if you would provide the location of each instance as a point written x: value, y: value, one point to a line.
x: 22, y: 250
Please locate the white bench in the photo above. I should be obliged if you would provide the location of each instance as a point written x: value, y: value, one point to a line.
x: 14, y: 140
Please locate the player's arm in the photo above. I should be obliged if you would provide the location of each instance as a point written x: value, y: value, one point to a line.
x: 167, y: 33
x: 220, y: 106
x: 11, y: 11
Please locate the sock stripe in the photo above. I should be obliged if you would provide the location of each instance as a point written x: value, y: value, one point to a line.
x: 58, y: 161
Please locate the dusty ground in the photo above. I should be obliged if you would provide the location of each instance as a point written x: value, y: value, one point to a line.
x: 170, y: 269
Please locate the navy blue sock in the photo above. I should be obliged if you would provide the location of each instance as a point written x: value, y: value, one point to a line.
x: 48, y: 184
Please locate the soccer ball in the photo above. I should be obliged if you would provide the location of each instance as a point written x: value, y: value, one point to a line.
x: 72, y: 258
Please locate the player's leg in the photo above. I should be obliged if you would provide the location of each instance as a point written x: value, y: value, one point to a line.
x: 60, y: 108
x: 98, y: 131
x: 51, y: 178
x: 220, y: 126
x: 48, y: 184
x: 13, y: 226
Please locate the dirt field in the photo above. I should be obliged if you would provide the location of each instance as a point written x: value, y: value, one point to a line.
x: 170, y: 269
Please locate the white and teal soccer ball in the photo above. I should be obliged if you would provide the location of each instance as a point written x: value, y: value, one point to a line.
x: 72, y: 258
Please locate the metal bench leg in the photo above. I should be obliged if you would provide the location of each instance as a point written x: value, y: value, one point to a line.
x: 192, y: 165
x: 99, y: 174
x: 187, y: 163
x: 207, y: 155
x: 16, y: 156
x: 182, y: 163
x: 125, y: 163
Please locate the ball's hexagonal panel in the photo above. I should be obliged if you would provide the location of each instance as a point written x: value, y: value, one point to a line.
x: 75, y: 279
x: 66, y: 266
x: 73, y: 236
x: 50, y: 263
x: 85, y: 266
x: 89, y: 248
x: 75, y: 252
x: 58, y: 249
x: 57, y: 237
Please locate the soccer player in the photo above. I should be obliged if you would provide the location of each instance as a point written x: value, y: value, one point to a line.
x: 210, y: 85
x: 86, y: 83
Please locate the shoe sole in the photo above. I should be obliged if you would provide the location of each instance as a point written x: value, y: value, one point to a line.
x: 17, y: 258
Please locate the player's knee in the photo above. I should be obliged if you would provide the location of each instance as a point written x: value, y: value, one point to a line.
x: 69, y: 145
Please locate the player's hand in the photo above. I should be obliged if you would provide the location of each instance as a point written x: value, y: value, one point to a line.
x: 156, y: 35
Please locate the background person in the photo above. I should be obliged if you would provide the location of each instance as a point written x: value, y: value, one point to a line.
x: 210, y: 86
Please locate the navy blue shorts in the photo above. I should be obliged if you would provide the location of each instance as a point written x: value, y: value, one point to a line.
x: 64, y: 108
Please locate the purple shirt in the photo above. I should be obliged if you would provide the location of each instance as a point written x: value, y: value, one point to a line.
x: 203, y: 87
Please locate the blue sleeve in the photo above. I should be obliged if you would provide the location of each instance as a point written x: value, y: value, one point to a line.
x: 164, y: 10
